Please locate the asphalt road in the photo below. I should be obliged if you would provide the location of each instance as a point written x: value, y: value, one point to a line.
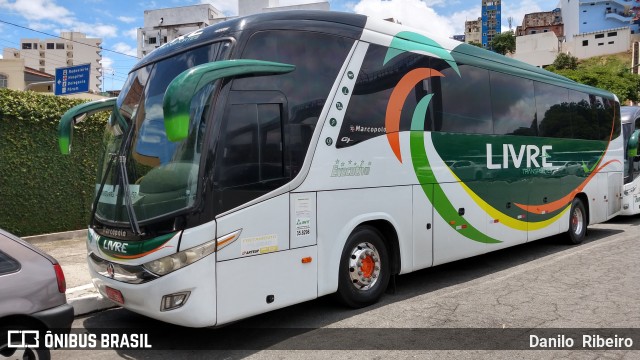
x: 543, y: 284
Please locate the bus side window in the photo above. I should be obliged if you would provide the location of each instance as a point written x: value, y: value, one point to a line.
x: 462, y: 103
x: 513, y: 105
x: 553, y: 111
x: 252, y: 146
x: 318, y: 58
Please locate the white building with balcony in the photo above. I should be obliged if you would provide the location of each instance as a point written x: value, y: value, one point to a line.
x: 164, y: 25
x: 590, y: 16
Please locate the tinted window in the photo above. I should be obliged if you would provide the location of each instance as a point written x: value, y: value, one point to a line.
x: 608, y: 114
x: 583, y: 120
x: 462, y: 103
x: 318, y: 58
x: 8, y: 264
x: 553, y: 111
x: 513, y: 105
x: 252, y: 146
x: 252, y: 156
x: 366, y: 113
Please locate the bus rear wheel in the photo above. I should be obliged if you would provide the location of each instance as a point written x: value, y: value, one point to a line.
x: 577, y: 222
x: 364, y: 268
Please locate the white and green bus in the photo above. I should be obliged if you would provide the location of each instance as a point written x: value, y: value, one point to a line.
x: 630, y: 116
x: 272, y: 159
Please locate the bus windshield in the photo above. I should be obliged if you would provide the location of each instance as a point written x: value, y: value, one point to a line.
x: 141, y: 174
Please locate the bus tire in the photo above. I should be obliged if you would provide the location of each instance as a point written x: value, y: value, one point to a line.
x: 364, y: 268
x: 577, y: 222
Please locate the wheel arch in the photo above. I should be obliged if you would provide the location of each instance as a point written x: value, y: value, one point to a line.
x: 585, y: 202
x: 390, y: 238
x: 23, y: 321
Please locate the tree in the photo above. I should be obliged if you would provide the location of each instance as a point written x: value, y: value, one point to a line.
x: 475, y: 43
x: 504, y: 43
x: 606, y: 72
x: 565, y: 61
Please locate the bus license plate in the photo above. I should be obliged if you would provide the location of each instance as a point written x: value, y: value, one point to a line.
x: 114, y: 295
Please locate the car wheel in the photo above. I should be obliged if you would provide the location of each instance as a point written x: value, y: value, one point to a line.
x: 364, y: 268
x: 577, y: 222
x: 24, y: 353
x: 7, y: 352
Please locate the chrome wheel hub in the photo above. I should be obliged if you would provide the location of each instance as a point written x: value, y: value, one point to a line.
x: 577, y: 221
x: 364, y: 266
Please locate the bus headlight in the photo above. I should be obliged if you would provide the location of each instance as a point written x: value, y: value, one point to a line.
x: 170, y: 263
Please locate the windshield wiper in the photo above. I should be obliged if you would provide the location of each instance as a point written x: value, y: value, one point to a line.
x: 94, y: 207
x: 124, y: 180
x: 133, y: 220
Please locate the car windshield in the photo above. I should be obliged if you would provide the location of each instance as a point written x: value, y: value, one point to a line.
x: 160, y: 176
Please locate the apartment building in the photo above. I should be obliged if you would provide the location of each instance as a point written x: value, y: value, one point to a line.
x: 491, y: 21
x: 72, y: 48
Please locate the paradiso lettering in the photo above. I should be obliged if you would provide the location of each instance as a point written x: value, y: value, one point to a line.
x: 528, y: 155
x: 351, y: 168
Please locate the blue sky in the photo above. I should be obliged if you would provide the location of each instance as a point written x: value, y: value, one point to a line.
x: 116, y: 21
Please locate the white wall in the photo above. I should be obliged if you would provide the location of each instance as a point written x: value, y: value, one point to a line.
x: 537, y: 49
x: 571, y: 17
x: 604, y: 45
x: 13, y: 69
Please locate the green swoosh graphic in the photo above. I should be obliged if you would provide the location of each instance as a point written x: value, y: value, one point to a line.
x: 422, y: 168
x: 410, y: 41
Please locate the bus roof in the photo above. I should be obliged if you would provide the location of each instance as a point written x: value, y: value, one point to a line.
x: 353, y: 25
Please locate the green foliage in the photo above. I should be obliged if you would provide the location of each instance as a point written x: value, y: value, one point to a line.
x: 606, y: 72
x: 565, y: 61
x: 42, y: 191
x: 475, y: 43
x: 504, y: 42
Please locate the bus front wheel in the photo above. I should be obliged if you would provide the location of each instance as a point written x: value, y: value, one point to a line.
x: 577, y: 222
x: 364, y: 268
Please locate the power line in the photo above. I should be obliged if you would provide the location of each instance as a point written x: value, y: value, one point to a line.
x: 59, y: 37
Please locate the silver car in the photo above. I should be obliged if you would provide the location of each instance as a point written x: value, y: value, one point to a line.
x: 32, y: 298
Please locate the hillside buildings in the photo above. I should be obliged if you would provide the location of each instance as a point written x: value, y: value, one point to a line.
x: 583, y: 28
x: 491, y: 21
x: 473, y: 31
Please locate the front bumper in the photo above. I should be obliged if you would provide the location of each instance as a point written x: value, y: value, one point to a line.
x: 145, y: 298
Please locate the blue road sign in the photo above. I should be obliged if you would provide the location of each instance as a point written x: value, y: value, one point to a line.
x: 72, y: 79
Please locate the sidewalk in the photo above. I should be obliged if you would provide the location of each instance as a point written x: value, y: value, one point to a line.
x: 70, y: 249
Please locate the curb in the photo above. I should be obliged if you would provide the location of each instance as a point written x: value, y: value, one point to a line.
x: 55, y: 236
x: 85, y: 299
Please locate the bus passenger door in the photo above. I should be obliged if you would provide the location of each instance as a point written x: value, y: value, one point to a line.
x: 258, y: 271
x: 422, y: 227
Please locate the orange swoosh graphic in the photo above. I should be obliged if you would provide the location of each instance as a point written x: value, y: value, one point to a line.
x: 396, y: 102
x: 558, y: 204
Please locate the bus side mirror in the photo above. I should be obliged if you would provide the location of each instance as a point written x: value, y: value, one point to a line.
x: 76, y: 115
x: 633, y: 145
x: 177, y: 98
